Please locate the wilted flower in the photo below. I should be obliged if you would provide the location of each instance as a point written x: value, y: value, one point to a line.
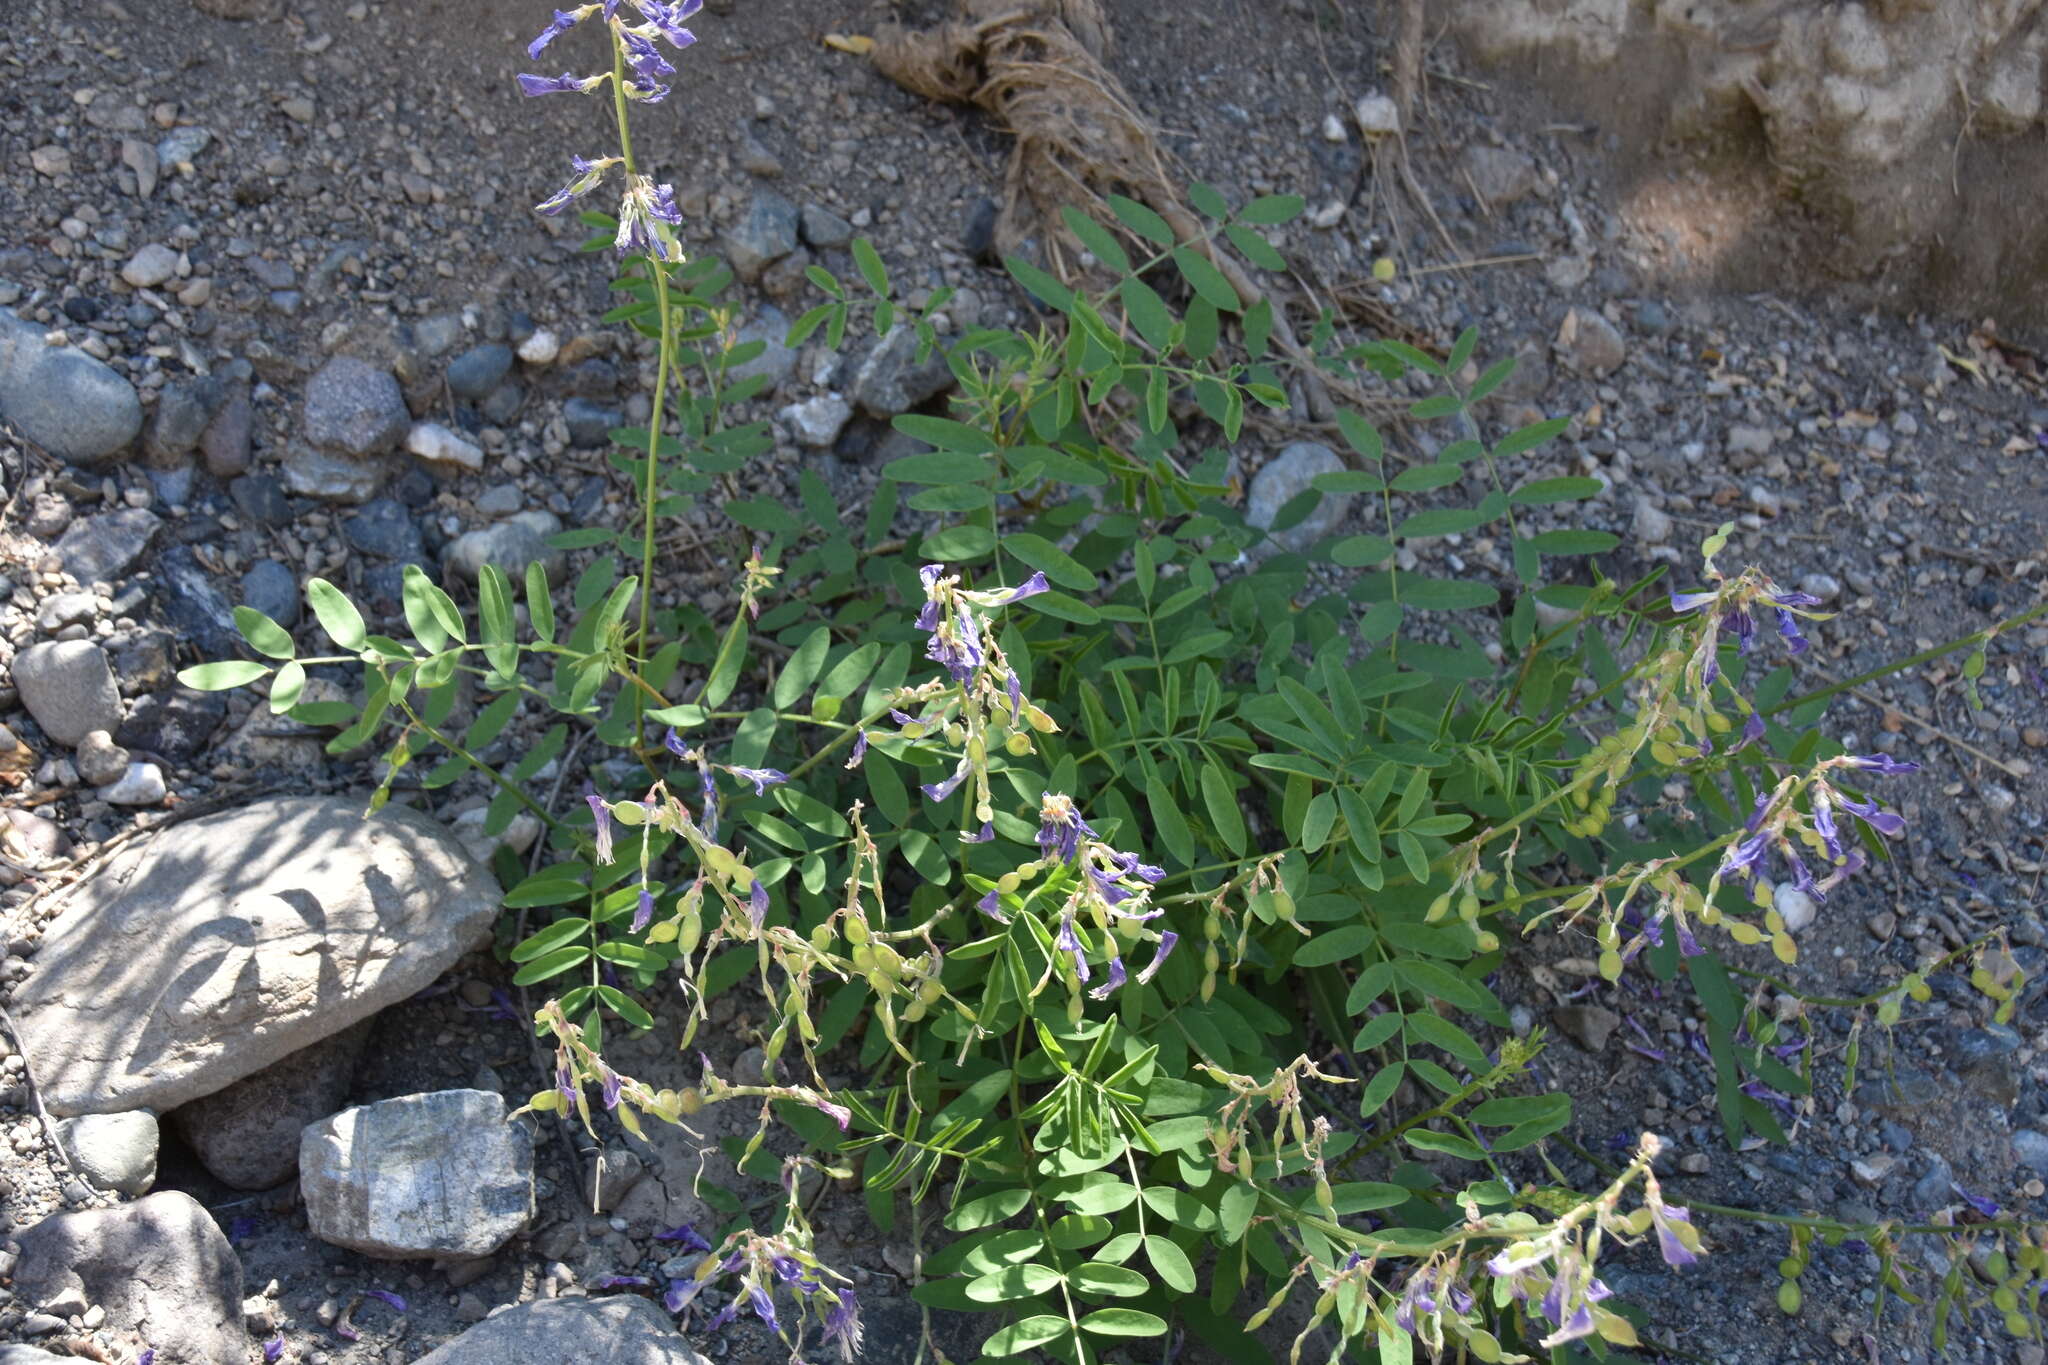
x: 860, y: 748
x: 689, y: 1237
x: 648, y: 218
x: 761, y: 778
x: 842, y: 1324
x: 566, y: 83
x: 1069, y: 942
x: 1112, y: 982
x: 1167, y: 940
x: 588, y: 176
x: 1060, y: 826
x: 645, y: 913
x: 602, y: 814
x: 396, y: 1303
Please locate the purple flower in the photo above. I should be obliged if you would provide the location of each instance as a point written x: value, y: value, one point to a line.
x: 1069, y: 942
x: 1129, y: 866
x: 1672, y: 1242
x: 956, y: 647
x: 860, y: 748
x: 690, y: 1238
x: 764, y: 1307
x: 602, y: 814
x: 838, y: 1113
x: 1111, y: 983
x: 1987, y: 1207
x: 757, y: 904
x: 552, y: 85
x: 761, y: 778
x: 1788, y: 630
x: 707, y: 787
x: 397, y: 1304
x: 723, y: 1316
x: 613, y: 1083
x: 646, y: 911
x: 673, y: 742
x: 274, y: 1347
x: 1883, y: 763
x: 679, y: 1293
x: 939, y: 791
x: 1691, y: 601
x: 1752, y: 732
x: 565, y: 1084
x: 563, y: 22
x: 1030, y: 587
x: 1743, y: 856
x: 928, y: 614
x: 1888, y: 823
x: 1061, y: 827
x: 1167, y: 940
x: 1792, y: 599
x: 645, y: 58
x: 588, y: 174
x: 148, y: 1357
x: 991, y: 905
x: 1824, y: 822
x: 620, y: 1282
x: 985, y: 834
x: 1015, y: 688
x: 842, y: 1325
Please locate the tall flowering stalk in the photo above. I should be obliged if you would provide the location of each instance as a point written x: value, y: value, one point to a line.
x: 648, y: 214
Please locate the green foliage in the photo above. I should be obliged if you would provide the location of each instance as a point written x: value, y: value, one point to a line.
x: 1345, y: 795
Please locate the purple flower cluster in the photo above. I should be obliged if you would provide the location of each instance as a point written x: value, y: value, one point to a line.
x: 1773, y: 820
x: 1736, y: 619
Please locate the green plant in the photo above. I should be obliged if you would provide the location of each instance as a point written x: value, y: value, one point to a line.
x: 938, y: 826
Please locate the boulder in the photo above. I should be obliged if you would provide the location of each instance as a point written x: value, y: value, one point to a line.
x: 160, y: 1267
x: 60, y: 398
x: 224, y: 945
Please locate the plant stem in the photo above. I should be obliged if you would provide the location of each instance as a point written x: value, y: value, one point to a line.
x: 1984, y: 636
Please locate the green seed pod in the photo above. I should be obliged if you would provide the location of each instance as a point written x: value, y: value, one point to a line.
x: 913, y: 1012
x: 1212, y: 927
x: 821, y: 937
x: 1789, y: 1298
x: 690, y: 934
x: 930, y: 989
x: 977, y: 751
x: 1018, y: 744
x: 956, y: 733
x: 663, y: 932
x: 856, y: 930
x: 1008, y: 883
x: 1468, y: 906
x: 1211, y: 960
x: 1075, y: 1008
x: 1438, y: 908
x: 1283, y: 904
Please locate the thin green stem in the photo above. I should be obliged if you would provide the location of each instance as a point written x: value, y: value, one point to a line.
x: 449, y: 743
x: 1984, y: 636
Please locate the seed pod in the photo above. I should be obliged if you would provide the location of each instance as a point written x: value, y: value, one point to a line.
x: 690, y: 934
x: 1008, y: 883
x: 856, y: 930
x: 930, y: 989
x: 1018, y: 744
x: 1075, y: 1008
x: 689, y: 1101
x: 663, y: 932
x: 913, y: 1012
x: 1789, y: 1297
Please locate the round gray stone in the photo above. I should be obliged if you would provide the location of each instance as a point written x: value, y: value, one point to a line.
x: 1285, y: 477
x: 62, y: 399
x: 113, y: 1151
x: 621, y: 1329
x: 355, y: 409
x: 478, y: 371
x: 68, y: 687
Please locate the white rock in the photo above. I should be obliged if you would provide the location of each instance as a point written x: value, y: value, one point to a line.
x: 817, y: 422
x: 151, y: 266
x: 518, y: 835
x: 1794, y: 907
x: 99, y: 760
x: 114, y: 1151
x: 432, y: 441
x: 541, y: 348
x: 1378, y: 116
x: 1333, y: 129
x: 1823, y: 586
x: 1652, y: 526
x: 141, y: 785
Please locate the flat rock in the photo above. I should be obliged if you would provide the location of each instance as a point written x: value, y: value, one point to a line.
x: 1502, y: 175
x: 511, y: 545
x: 479, y: 370
x: 160, y: 1267
x: 184, y: 409
x: 62, y: 399
x: 622, y: 1329
x: 248, y: 1134
x: 317, y: 474
x: 150, y: 266
x: 1590, y: 1026
x: 1590, y: 344
x: 437, y: 444
x: 776, y: 360
x: 1285, y: 477
x: 439, y: 1174
x: 817, y: 422
x: 101, y: 549
x: 223, y: 945
x: 355, y: 409
x: 68, y: 687
x: 824, y: 229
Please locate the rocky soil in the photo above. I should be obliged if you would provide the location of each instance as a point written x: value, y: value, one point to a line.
x: 273, y: 305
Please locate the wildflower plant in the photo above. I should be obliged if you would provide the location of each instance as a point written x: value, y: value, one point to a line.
x: 1148, y: 879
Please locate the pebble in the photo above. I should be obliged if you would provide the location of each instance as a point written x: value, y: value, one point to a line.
x: 479, y: 370
x: 764, y: 236
x: 437, y: 444
x: 776, y: 361
x: 1590, y: 344
x: 1650, y: 525
x: 62, y: 609
x: 272, y: 589
x: 63, y: 399
x: 1285, y: 477
x: 102, y: 549
x: 143, y: 785
x: 824, y: 230
x: 151, y: 266
x: 1378, y: 116
x: 100, y: 761
x: 181, y: 145
x: 541, y: 348
x: 355, y: 409
x: 384, y: 528
x: 2030, y: 1146
x: 1824, y: 586
x: 1795, y: 907
x: 437, y: 335
x: 1590, y: 1026
x: 113, y: 1151
x: 69, y: 689
x: 590, y: 423
x: 817, y: 422
x: 1502, y: 175
x: 511, y: 545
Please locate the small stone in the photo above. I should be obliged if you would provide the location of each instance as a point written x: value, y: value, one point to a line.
x: 70, y: 403
x: 181, y: 145
x: 2030, y: 1146
x: 1590, y: 1026
x: 1287, y: 476
x: 510, y: 545
x: 978, y: 237
x: 142, y: 785
x: 1794, y: 906
x: 764, y: 236
x: 500, y: 500
x: 438, y: 445
x: 355, y: 409
x: 1378, y: 116
x: 151, y: 266
x: 1333, y: 129
x: 1753, y: 441
x: 817, y: 422
x: 1589, y: 343
x: 479, y: 370
x: 440, y: 1174
x: 776, y: 360
x: 248, y: 1133
x: 1882, y: 925
x: 541, y: 348
x: 99, y: 760
x: 1651, y: 525
x: 1870, y: 1171
x: 314, y: 473
x: 2034, y: 737
x: 69, y: 689
x: 384, y: 529
x: 113, y: 1151
x: 272, y: 589
x: 51, y: 160
x: 62, y: 609
x: 621, y: 1328
x: 590, y: 423
x: 225, y: 444
x: 184, y: 408
x: 892, y: 380
x: 824, y: 230
x: 1824, y: 586
x: 1695, y: 1163
x: 298, y: 108
x: 1501, y: 175
x: 102, y: 549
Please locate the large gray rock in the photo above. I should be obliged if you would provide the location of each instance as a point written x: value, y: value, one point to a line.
x: 68, y: 687
x: 892, y: 380
x: 440, y: 1174
x: 62, y: 399
x: 1284, y: 477
x: 223, y: 945
x: 355, y: 409
x: 776, y: 360
x: 622, y: 1329
x: 101, y: 549
x: 248, y: 1134
x: 159, y: 1267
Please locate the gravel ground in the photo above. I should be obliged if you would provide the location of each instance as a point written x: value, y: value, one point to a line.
x: 361, y: 189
